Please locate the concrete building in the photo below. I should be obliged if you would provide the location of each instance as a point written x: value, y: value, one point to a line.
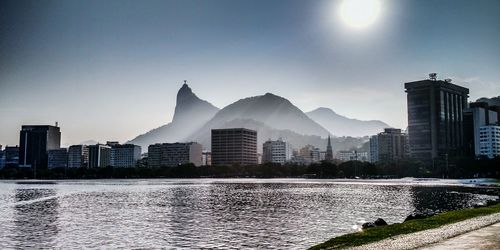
x: 57, y: 158
x: 373, y: 156
x: 11, y: 156
x: 78, y: 156
x: 277, y: 151
x: 309, y: 154
x: 477, y: 115
x: 346, y: 155
x: 206, y: 158
x: 125, y: 155
x: 174, y: 154
x: 99, y: 156
x: 35, y: 141
x: 489, y: 141
x: 435, y: 120
x: 389, y: 146
x: 234, y: 146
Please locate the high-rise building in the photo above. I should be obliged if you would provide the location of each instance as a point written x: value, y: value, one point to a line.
x: 373, y: 156
x: 489, y: 141
x: 78, y: 156
x: 99, y: 156
x: 477, y: 115
x: 234, y: 146
x: 276, y: 151
x: 125, y: 155
x: 11, y: 155
x: 329, y: 151
x: 57, y: 158
x: 35, y: 141
x: 389, y: 146
x: 435, y: 121
x: 174, y: 154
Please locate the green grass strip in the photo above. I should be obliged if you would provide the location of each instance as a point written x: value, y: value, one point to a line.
x: 383, y: 232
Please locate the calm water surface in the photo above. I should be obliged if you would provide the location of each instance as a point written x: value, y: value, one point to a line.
x: 208, y: 213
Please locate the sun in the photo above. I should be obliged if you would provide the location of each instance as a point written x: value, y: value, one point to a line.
x: 359, y: 14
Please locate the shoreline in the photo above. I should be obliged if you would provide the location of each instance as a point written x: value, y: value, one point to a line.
x: 419, y: 232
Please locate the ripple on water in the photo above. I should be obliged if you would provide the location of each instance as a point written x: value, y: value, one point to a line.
x: 226, y: 214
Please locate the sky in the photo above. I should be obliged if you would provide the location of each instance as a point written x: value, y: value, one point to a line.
x: 110, y: 70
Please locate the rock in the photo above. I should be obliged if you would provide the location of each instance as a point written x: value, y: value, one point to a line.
x: 368, y: 225
x: 380, y: 222
x: 420, y: 215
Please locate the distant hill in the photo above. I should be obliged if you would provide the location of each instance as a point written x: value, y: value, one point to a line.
x: 264, y: 132
x: 342, y: 126
x: 190, y: 114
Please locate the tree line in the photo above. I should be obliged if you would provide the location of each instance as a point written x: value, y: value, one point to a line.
x: 453, y: 168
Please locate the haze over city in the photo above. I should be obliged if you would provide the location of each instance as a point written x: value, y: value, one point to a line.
x: 110, y: 70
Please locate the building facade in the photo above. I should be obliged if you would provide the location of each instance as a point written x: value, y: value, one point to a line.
x: 389, y: 146
x: 11, y: 156
x: 35, y: 141
x: 373, y: 156
x: 2, y: 158
x: 276, y: 152
x: 489, y: 141
x: 346, y: 155
x: 57, y: 158
x: 78, y: 156
x: 125, y: 155
x: 99, y: 156
x: 435, y: 118
x: 234, y: 146
x: 309, y: 154
x: 478, y: 114
x: 174, y: 154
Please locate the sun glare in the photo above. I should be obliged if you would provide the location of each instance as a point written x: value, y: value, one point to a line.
x: 359, y: 13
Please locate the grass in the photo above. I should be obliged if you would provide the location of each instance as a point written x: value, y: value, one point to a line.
x: 383, y: 232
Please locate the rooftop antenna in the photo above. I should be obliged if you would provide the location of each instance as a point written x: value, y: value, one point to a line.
x: 433, y: 76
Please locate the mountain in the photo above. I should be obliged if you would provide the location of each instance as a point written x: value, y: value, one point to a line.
x: 190, y: 114
x: 342, y: 126
x: 265, y: 132
x: 267, y: 113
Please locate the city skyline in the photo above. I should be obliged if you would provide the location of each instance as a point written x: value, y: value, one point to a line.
x: 79, y: 63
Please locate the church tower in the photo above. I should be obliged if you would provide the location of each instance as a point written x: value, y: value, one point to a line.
x: 329, y: 152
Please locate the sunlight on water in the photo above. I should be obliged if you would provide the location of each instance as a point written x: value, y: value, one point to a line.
x: 233, y: 213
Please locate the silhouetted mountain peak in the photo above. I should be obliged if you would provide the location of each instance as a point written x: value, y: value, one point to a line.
x: 188, y: 104
x: 190, y: 114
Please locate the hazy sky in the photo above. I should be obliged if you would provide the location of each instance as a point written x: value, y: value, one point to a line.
x: 110, y: 70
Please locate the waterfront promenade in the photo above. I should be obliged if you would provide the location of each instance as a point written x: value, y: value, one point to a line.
x: 476, y: 233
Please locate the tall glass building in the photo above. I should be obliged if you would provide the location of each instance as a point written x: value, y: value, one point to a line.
x: 34, y: 142
x: 435, y: 118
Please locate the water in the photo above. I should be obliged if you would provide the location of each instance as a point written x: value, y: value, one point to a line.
x: 207, y: 213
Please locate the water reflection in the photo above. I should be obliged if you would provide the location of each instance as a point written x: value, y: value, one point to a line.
x: 439, y: 199
x: 221, y: 214
x: 35, y: 218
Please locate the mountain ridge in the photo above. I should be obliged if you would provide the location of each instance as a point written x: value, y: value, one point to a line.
x: 341, y: 125
x: 271, y: 115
